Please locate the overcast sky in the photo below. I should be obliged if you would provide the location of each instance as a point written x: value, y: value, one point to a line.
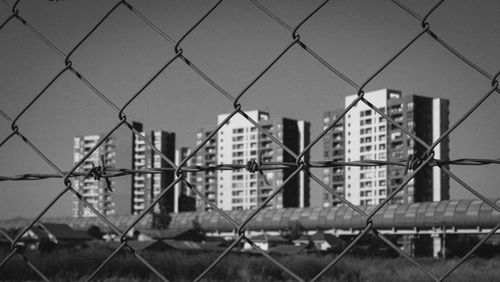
x: 232, y: 46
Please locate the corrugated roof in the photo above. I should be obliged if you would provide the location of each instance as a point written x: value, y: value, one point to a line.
x: 287, y: 250
x: 163, y: 234
x: 456, y: 213
x: 64, y: 232
x: 268, y: 238
x: 183, y: 245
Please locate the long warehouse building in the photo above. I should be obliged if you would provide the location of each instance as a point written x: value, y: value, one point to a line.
x: 474, y: 215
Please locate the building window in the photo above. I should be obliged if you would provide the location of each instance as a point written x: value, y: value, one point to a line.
x: 237, y: 177
x: 368, y: 175
x: 366, y: 113
x: 237, y: 185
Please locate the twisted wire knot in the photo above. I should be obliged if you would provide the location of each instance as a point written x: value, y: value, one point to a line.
x: 254, y: 166
x: 99, y: 172
x: 413, y: 161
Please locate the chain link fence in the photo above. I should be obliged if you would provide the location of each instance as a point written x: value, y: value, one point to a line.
x: 413, y: 165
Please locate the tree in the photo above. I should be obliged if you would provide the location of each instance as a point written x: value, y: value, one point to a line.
x: 196, y: 226
x: 95, y: 232
x: 161, y: 221
x: 294, y: 231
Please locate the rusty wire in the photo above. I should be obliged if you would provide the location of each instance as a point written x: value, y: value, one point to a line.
x: 412, y: 165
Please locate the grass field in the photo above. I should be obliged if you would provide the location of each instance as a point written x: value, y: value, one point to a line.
x: 72, y: 265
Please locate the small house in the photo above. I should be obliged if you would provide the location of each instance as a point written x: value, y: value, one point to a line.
x: 144, y: 234
x: 321, y: 241
x: 46, y: 236
x: 265, y: 241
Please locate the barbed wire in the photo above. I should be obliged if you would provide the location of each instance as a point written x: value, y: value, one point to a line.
x: 111, y: 172
x: 413, y: 164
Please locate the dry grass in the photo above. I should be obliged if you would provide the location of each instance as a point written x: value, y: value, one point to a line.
x: 72, y: 265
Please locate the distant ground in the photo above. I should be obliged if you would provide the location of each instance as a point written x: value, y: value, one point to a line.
x: 71, y: 265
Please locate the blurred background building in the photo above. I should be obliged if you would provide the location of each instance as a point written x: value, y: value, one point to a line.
x: 131, y: 194
x: 238, y: 142
x: 362, y: 134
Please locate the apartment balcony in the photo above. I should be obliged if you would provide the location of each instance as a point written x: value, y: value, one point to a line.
x: 140, y: 149
x: 139, y: 192
x: 338, y: 189
x: 209, y: 189
x: 211, y: 196
x: 139, y: 200
x: 140, y: 163
x: 397, y: 146
x: 396, y: 135
x: 266, y: 144
x: 398, y: 109
x: 265, y: 192
x: 267, y: 159
x: 338, y: 179
x: 139, y: 207
x: 267, y: 154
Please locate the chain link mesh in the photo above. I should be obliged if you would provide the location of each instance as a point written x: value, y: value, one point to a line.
x: 413, y: 165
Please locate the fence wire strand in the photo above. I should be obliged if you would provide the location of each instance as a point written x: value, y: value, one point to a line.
x: 412, y: 165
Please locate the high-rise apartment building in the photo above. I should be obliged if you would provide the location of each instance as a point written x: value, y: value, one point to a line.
x: 186, y: 199
x: 365, y: 135
x: 238, y: 142
x: 206, y: 181
x: 131, y: 194
x: 92, y: 190
x: 147, y: 187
